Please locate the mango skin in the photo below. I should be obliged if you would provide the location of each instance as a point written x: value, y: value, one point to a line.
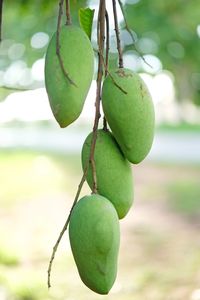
x: 94, y: 237
x: 130, y: 116
x: 67, y: 100
x: 114, y: 174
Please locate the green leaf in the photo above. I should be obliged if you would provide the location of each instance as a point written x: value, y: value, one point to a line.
x: 86, y: 16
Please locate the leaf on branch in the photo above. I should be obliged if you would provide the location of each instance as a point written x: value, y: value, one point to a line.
x: 86, y: 16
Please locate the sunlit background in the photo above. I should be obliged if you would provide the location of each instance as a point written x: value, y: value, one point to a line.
x: 40, y: 166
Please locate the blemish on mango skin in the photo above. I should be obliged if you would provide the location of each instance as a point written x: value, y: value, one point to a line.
x: 122, y: 73
x: 56, y: 109
x: 143, y: 92
x: 101, y: 268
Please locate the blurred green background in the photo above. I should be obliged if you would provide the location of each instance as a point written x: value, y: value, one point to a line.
x: 40, y: 166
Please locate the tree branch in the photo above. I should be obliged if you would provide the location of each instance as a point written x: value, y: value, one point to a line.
x: 117, y: 35
x: 58, y: 43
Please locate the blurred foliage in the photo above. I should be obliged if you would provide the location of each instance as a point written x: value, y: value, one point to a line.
x: 164, y: 29
x: 43, y: 173
x: 26, y: 285
x: 184, y: 197
x: 180, y: 127
x: 8, y: 256
x: 168, y: 29
x: 23, y: 18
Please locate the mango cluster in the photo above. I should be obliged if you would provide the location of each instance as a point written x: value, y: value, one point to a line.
x: 94, y: 231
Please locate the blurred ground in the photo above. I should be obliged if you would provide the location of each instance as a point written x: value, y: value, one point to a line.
x: 160, y: 244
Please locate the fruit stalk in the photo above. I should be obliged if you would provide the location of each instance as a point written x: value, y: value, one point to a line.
x: 100, y: 39
x: 60, y: 12
x: 105, y: 62
x: 107, y: 58
x: 121, y: 65
x: 1, y: 10
x: 68, y: 14
x: 107, y: 42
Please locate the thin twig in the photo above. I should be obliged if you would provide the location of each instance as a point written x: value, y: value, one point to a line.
x: 65, y: 225
x: 68, y: 14
x: 125, y: 21
x: 117, y: 35
x: 58, y: 43
x: 100, y: 39
x: 131, y: 34
x: 1, y: 12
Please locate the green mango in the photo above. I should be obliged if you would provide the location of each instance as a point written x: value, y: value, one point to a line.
x: 94, y: 238
x: 67, y: 100
x: 114, y: 174
x: 130, y: 116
